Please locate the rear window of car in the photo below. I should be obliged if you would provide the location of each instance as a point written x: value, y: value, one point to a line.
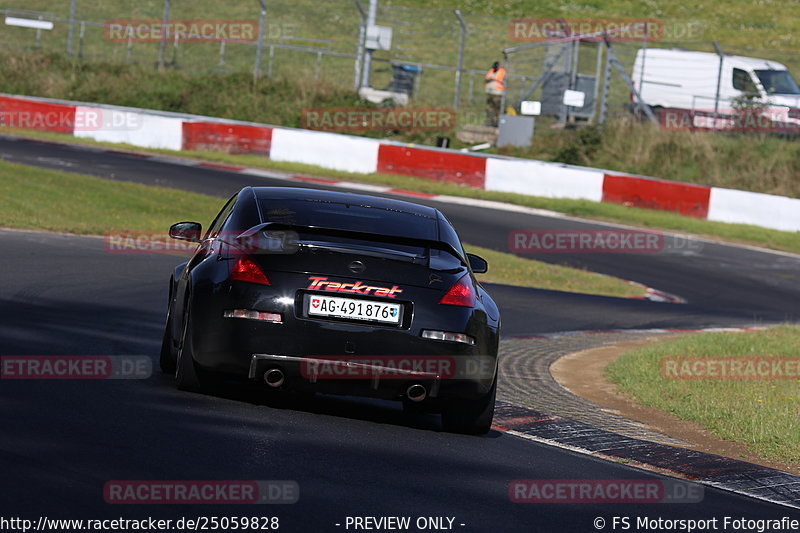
x: 349, y: 217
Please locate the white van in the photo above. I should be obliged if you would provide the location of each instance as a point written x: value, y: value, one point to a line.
x: 688, y: 80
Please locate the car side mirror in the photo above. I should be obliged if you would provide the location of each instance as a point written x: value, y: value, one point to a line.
x: 186, y: 231
x: 478, y: 264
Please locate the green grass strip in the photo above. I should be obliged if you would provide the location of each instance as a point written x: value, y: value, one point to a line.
x: 763, y: 414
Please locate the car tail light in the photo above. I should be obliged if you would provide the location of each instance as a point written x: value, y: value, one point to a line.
x: 794, y: 112
x: 461, y: 294
x: 246, y: 269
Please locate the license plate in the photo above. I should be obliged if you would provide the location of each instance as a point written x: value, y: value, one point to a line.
x: 354, y: 309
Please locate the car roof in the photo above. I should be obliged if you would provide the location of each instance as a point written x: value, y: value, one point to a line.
x: 754, y: 63
x: 319, y: 195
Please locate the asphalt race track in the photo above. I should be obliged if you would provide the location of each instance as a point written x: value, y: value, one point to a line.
x: 63, y: 440
x: 724, y: 285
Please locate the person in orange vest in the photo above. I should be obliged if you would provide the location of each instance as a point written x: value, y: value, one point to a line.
x: 495, y: 88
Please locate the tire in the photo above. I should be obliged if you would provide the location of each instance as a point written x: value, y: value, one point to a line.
x: 168, y: 358
x: 188, y: 377
x: 471, y: 417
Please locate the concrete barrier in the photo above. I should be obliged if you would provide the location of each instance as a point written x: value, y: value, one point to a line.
x: 438, y: 165
x: 137, y: 128
x: 765, y: 210
x: 175, y: 131
x: 538, y: 178
x: 327, y: 150
x: 228, y: 138
x: 648, y: 193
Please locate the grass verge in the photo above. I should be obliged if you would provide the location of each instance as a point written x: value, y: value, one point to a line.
x: 760, y: 414
x: 759, y: 163
x: 643, y: 218
x: 72, y: 203
x: 512, y: 270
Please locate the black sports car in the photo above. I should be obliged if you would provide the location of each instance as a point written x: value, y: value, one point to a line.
x: 320, y: 291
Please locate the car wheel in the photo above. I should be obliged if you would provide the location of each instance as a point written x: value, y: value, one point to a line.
x: 472, y: 417
x: 168, y: 357
x: 188, y: 376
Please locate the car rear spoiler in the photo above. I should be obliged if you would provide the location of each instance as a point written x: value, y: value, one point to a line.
x: 247, y: 236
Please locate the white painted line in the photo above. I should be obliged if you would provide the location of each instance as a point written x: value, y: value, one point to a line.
x: 500, y: 206
x: 574, y: 333
x: 362, y: 186
x: 174, y: 160
x: 491, y: 204
x: 261, y: 173
x: 646, y: 467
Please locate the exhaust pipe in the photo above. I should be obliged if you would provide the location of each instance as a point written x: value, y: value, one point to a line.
x: 416, y: 393
x: 274, y: 377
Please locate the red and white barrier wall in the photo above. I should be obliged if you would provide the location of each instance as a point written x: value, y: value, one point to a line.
x: 174, y: 131
x: 743, y: 207
x: 225, y: 137
x: 149, y: 130
x: 537, y: 178
x: 327, y: 150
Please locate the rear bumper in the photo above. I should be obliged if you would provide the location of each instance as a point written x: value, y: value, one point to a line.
x: 346, y: 376
x: 384, y: 364
x: 244, y: 348
x: 380, y: 377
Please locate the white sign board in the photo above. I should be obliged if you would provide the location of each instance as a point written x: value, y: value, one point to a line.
x: 530, y: 107
x: 574, y: 98
x: 29, y: 23
x: 379, y: 38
